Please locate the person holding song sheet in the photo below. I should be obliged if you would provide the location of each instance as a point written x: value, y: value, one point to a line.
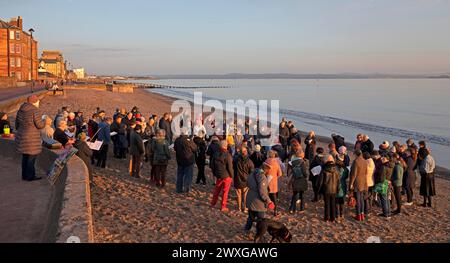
x: 104, y: 135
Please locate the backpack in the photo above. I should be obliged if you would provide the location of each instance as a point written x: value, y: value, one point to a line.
x: 159, y: 155
x: 297, y: 171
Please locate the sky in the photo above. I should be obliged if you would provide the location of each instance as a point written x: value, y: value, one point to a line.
x: 137, y: 37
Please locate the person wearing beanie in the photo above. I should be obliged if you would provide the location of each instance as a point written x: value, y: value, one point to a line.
x: 222, y: 169
x: 384, y: 148
x: 84, y: 152
x: 28, y: 136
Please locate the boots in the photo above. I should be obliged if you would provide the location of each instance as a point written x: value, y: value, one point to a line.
x: 363, y: 217
x: 358, y: 217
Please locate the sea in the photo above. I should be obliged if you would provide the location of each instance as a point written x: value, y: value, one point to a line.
x: 385, y: 109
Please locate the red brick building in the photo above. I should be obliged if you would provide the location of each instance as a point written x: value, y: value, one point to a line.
x: 18, y: 51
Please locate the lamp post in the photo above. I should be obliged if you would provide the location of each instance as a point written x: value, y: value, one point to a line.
x: 31, y: 30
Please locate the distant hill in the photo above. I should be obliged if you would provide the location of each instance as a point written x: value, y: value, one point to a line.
x: 297, y: 76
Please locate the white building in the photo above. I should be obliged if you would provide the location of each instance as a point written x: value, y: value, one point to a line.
x: 79, y: 72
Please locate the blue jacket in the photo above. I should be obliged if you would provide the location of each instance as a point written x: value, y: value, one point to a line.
x: 104, y: 134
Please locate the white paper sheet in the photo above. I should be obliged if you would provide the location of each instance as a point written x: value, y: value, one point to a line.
x: 316, y: 170
x: 95, y: 145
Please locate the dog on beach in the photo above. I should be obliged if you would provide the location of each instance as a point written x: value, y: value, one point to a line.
x: 277, y: 230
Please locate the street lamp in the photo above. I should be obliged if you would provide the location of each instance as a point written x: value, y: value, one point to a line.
x: 31, y: 30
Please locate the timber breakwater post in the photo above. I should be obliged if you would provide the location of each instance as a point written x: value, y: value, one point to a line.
x: 164, y: 86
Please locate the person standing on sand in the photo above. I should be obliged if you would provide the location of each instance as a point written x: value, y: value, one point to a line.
x: 427, y: 185
x: 222, y: 169
x: 257, y: 157
x: 370, y: 182
x: 295, y: 135
x: 284, y: 135
x: 104, y: 135
x: 330, y: 187
x: 159, y: 156
x: 342, y: 191
x: 164, y: 124
x: 358, y: 142
x: 137, y: 151
x: 410, y: 174
x: 257, y: 197
x: 28, y: 136
x: 358, y: 184
x: 310, y: 142
x: 338, y: 140
x: 272, y: 177
x: 397, y: 181
x: 382, y: 181
x: 200, y: 157
x: 185, y: 150
x: 316, y: 180
x: 299, y: 168
x: 243, y: 167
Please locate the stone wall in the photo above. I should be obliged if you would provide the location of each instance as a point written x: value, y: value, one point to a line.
x: 12, y: 105
x: 121, y: 88
x: 69, y: 211
x: 8, y: 82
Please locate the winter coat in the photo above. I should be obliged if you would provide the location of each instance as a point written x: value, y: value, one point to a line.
x: 258, y: 195
x: 165, y: 125
x: 367, y: 146
x: 342, y: 190
x: 136, y: 144
x: 296, y: 136
x: 280, y: 151
x: 258, y: 159
x: 370, y: 172
x: 275, y: 172
x: 28, y: 125
x: 158, y: 151
x: 310, y: 149
x: 200, y: 156
x: 213, y: 147
x: 300, y: 174
x: 185, y: 150
x: 338, y: 141
x: 358, y: 177
x: 60, y: 136
x: 409, y: 173
x: 330, y: 179
x: 243, y: 166
x: 397, y: 175
x: 222, y: 166
x: 104, y: 134
x: 284, y: 135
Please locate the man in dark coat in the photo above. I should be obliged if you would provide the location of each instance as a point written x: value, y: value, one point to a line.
x: 284, y: 135
x: 257, y: 157
x: 185, y: 150
x: 338, y: 140
x: 136, y: 150
x: 299, y: 180
x: 310, y: 142
x: 164, y: 124
x: 366, y: 144
x: 222, y: 168
x: 200, y: 157
x: 28, y: 136
x: 295, y: 134
x: 213, y: 147
x: 243, y: 166
x: 316, y: 180
x: 330, y: 187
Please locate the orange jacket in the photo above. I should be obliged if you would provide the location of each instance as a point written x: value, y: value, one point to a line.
x: 275, y: 172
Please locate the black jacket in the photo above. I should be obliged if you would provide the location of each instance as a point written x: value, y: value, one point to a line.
x: 258, y: 159
x: 243, y: 166
x: 136, y: 144
x: 367, y: 146
x: 284, y: 135
x: 185, y: 150
x: 310, y: 149
x: 165, y: 125
x: 201, y: 150
x: 338, y: 141
x: 212, y: 149
x: 280, y: 151
x: 300, y: 173
x: 296, y: 136
x: 222, y: 166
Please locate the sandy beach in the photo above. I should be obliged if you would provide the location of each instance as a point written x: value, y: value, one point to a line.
x: 131, y: 210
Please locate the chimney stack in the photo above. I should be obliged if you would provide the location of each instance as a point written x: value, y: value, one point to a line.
x: 19, y: 22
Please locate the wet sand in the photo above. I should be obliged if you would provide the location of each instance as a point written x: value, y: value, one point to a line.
x: 131, y: 210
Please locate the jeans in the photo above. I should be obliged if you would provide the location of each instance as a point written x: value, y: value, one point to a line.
x: 295, y: 197
x: 385, y: 204
x: 184, y: 178
x: 360, y: 202
x: 222, y: 185
x: 329, y: 206
x: 241, y: 195
x: 252, y: 217
x: 28, y: 170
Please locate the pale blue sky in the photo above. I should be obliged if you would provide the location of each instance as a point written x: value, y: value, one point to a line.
x: 209, y: 37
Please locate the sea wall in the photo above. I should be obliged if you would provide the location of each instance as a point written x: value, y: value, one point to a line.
x: 12, y: 105
x: 121, y: 88
x: 8, y: 82
x: 69, y: 211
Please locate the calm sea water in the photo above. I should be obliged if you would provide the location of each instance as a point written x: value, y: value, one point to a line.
x: 385, y: 109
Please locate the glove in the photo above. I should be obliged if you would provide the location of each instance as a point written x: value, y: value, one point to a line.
x: 271, y: 206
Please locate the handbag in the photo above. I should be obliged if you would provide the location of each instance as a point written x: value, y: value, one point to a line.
x: 351, y: 201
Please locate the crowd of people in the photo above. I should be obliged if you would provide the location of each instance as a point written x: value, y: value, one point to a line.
x: 365, y: 178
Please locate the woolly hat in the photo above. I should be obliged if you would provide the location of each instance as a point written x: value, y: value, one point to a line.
x: 342, y: 150
x: 258, y: 148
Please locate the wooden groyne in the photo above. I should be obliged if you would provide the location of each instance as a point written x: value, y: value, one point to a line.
x: 164, y: 86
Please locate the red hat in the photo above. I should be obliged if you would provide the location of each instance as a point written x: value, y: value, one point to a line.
x: 32, y: 99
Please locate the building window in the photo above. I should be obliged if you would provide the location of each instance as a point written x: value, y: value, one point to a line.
x: 11, y: 34
x: 18, y: 35
x: 18, y: 62
x: 11, y: 48
x: 18, y: 48
x: 13, y: 62
x: 19, y: 75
